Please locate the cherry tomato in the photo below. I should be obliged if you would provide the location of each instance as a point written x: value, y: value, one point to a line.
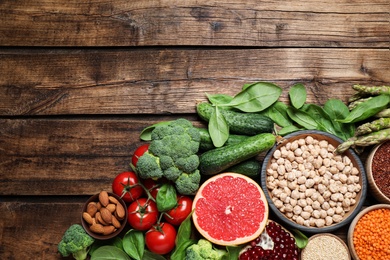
x: 179, y: 213
x: 160, y: 239
x: 152, y: 186
x: 125, y: 185
x: 138, y: 153
x: 142, y: 214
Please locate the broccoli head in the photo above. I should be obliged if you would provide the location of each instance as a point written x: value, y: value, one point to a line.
x: 172, y: 154
x: 204, y: 250
x: 75, y: 242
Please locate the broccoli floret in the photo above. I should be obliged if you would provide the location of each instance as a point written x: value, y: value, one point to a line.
x: 204, y: 250
x: 75, y: 242
x: 188, y: 183
x: 172, y: 154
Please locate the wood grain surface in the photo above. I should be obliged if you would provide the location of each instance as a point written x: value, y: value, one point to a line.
x: 79, y: 80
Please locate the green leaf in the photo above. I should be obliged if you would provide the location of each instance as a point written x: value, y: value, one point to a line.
x: 218, y: 128
x: 366, y: 109
x: 297, y: 95
x: 302, y: 118
x: 219, y: 99
x: 109, y: 253
x: 256, y: 97
x: 336, y: 109
x: 233, y: 252
x: 324, y: 122
x: 146, y: 133
x: 134, y: 244
x: 300, y: 239
x: 278, y: 113
x: 288, y: 130
x: 152, y: 256
x: 166, y: 198
x: 183, y: 239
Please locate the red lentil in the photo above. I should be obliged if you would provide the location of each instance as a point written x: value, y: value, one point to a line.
x: 371, y: 237
x: 381, y: 168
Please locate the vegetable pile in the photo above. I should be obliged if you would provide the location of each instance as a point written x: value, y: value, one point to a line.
x: 177, y: 157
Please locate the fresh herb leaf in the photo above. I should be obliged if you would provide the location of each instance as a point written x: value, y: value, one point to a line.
x: 218, y: 128
x: 134, y: 244
x: 302, y: 118
x: 366, y: 109
x: 324, y: 122
x: 166, y: 198
x: 278, y: 113
x: 183, y: 239
x: 297, y: 95
x: 109, y: 252
x: 288, y: 130
x: 233, y: 252
x: 300, y: 239
x: 336, y: 109
x: 152, y: 256
x: 256, y: 97
x: 219, y: 99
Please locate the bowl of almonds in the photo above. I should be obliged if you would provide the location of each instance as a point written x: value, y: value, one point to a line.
x: 104, y: 215
x: 309, y: 186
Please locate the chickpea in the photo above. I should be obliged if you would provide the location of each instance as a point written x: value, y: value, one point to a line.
x: 337, y: 218
x: 328, y: 220
x: 305, y: 215
x: 320, y: 222
x: 297, y: 210
x: 300, y: 220
x: 277, y: 154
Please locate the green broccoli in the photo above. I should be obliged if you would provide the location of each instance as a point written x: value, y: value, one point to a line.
x: 76, y: 242
x: 204, y: 250
x: 172, y: 154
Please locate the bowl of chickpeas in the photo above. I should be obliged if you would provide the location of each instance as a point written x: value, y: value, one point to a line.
x: 309, y: 186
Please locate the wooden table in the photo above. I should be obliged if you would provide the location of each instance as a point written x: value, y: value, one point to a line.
x: 79, y: 80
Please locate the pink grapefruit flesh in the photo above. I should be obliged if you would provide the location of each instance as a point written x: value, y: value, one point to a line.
x: 230, y: 209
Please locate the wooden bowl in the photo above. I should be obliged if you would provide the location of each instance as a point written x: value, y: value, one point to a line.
x: 353, y: 225
x: 312, y: 252
x: 335, y: 141
x: 373, y: 187
x: 87, y: 226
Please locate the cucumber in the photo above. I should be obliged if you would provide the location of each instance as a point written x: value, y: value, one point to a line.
x: 219, y: 159
x: 207, y: 144
x: 239, y: 122
x: 250, y: 168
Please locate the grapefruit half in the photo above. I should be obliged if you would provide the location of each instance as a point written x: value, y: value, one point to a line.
x: 230, y: 209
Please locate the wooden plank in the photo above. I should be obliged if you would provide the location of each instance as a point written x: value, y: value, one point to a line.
x: 32, y: 228
x: 161, y: 81
x: 314, y: 23
x: 67, y: 156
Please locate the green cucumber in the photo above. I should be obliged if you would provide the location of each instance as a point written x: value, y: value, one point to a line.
x: 239, y: 122
x: 207, y: 144
x: 219, y: 159
x: 250, y: 168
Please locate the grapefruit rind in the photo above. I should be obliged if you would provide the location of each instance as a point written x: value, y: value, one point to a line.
x: 221, y: 212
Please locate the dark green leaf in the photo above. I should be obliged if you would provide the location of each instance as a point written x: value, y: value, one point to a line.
x: 134, y: 244
x: 146, y: 133
x: 278, y: 113
x: 219, y: 99
x: 256, y: 97
x: 152, y: 256
x: 109, y: 253
x: 302, y: 118
x: 300, y: 239
x: 218, y: 128
x: 166, y: 198
x: 336, y: 109
x: 183, y: 239
x: 233, y: 252
x: 297, y: 95
x: 366, y: 109
x: 324, y: 122
x: 116, y: 241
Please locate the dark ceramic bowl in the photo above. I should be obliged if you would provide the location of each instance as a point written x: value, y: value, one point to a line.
x: 335, y: 141
x: 95, y: 198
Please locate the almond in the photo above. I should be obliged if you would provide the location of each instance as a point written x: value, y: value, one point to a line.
x: 98, y: 205
x: 111, y: 207
x: 87, y: 218
x: 106, y: 215
x: 99, y: 219
x: 120, y: 211
x: 112, y: 199
x: 103, y: 198
x: 97, y: 228
x: 108, y: 229
x: 92, y: 209
x: 116, y: 222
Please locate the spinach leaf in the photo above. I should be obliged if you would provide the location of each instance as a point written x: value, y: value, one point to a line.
x: 109, y: 253
x: 183, y: 239
x: 218, y: 128
x: 300, y: 239
x: 219, y: 99
x: 233, y: 252
x: 278, y: 113
x: 256, y: 97
x: 288, y: 130
x: 134, y: 244
x: 302, y: 118
x: 152, y: 256
x: 297, y: 95
x: 324, y: 122
x: 166, y: 198
x: 336, y: 109
x: 366, y: 109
